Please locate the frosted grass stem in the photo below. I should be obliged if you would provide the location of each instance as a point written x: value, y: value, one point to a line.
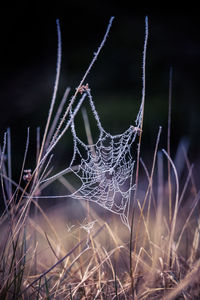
x: 96, y: 54
x: 58, y: 67
x: 139, y: 123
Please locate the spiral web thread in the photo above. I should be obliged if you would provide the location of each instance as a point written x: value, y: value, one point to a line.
x: 106, y: 171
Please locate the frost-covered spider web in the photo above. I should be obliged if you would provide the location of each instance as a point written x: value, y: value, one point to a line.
x: 106, y: 169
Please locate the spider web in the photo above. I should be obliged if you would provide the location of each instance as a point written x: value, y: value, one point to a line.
x: 106, y: 169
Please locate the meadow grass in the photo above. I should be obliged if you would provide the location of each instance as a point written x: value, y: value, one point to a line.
x: 74, y: 250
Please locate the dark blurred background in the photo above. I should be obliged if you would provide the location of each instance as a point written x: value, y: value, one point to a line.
x: 28, y: 64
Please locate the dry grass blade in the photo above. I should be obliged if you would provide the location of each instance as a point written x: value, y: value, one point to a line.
x: 174, y: 219
x: 57, y: 116
x: 168, y: 143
